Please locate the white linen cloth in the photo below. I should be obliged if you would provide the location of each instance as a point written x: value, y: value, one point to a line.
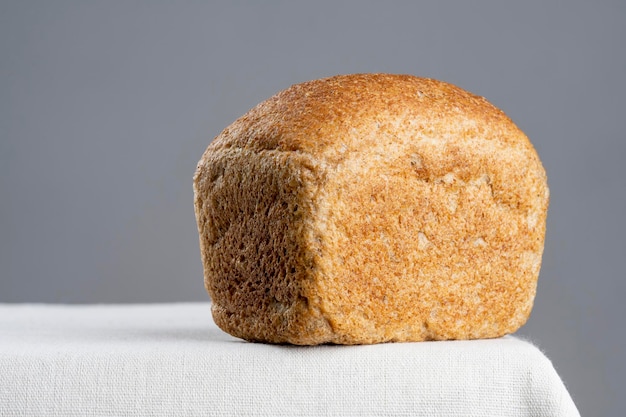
x: 171, y: 359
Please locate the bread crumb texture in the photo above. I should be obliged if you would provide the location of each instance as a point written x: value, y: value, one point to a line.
x: 371, y: 208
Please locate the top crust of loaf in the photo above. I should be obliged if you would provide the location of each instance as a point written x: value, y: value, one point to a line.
x: 323, y: 115
x: 368, y: 208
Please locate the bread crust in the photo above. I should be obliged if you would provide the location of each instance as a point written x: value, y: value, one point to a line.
x: 369, y: 208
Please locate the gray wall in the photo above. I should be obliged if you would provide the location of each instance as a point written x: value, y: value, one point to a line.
x: 105, y: 108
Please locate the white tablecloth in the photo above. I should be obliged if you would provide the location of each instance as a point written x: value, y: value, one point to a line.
x: 170, y: 359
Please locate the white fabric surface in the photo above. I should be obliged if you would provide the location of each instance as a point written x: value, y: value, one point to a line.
x: 171, y: 359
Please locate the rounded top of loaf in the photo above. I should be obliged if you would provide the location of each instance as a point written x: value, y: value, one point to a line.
x: 343, y: 111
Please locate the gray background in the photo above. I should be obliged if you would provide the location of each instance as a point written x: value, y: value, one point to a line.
x: 105, y: 108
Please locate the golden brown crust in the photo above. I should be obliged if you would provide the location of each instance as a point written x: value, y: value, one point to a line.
x: 369, y: 208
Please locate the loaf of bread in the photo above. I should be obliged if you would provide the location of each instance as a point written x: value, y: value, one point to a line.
x: 371, y: 208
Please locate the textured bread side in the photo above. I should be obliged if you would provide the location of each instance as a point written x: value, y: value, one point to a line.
x: 371, y: 208
x: 254, y: 211
x: 431, y: 240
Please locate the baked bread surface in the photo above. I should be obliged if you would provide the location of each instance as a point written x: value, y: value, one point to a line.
x: 371, y: 208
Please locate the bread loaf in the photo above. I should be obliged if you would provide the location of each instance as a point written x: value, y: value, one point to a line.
x: 371, y: 208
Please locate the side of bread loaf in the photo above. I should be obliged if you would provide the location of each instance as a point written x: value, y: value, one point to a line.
x: 255, y: 212
x: 371, y: 208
